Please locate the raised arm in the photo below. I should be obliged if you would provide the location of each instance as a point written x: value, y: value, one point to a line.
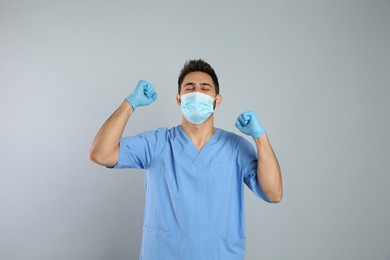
x: 269, y: 174
x: 268, y: 170
x: 105, y: 147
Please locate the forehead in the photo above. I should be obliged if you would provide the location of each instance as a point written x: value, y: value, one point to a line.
x: 198, y: 77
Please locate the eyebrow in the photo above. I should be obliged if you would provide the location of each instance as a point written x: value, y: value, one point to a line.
x: 201, y: 84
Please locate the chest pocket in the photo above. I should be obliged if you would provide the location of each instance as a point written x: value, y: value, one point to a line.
x: 223, y: 177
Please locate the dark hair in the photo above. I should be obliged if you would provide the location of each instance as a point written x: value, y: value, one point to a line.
x: 198, y: 65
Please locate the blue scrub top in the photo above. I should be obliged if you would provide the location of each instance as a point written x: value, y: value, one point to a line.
x: 194, y: 199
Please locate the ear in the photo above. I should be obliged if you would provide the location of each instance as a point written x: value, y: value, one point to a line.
x: 178, y: 99
x: 218, y: 100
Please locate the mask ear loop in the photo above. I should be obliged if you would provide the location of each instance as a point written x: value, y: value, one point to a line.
x: 215, y: 102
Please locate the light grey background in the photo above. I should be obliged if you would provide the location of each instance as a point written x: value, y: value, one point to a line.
x: 316, y: 72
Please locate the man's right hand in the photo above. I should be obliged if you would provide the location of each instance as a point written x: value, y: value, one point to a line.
x: 142, y: 95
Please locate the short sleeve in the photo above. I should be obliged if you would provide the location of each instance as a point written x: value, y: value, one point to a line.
x: 139, y: 150
x: 248, y: 162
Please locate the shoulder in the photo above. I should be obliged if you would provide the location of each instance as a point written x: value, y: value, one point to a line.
x: 160, y: 133
x: 233, y: 137
x: 157, y: 135
x: 152, y: 132
x: 239, y: 142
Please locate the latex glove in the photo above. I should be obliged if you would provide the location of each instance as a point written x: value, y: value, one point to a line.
x: 249, y: 124
x: 142, y: 95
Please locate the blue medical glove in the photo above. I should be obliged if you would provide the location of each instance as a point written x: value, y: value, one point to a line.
x: 249, y: 124
x: 142, y: 95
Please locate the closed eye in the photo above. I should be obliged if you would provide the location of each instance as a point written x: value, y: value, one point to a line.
x: 205, y: 86
x: 189, y: 86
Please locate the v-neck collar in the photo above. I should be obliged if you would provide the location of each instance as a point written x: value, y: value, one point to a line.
x: 196, y: 153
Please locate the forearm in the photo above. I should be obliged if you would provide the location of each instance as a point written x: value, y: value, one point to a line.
x: 105, y: 147
x: 268, y: 170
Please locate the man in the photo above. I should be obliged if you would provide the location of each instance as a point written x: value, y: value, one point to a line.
x: 194, y: 172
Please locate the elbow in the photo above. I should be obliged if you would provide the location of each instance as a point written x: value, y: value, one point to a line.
x: 275, y: 198
x: 100, y: 159
x: 94, y: 157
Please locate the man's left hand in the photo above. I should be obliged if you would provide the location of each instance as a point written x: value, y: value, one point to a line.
x: 249, y: 124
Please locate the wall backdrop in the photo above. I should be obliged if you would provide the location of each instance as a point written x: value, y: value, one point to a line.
x: 316, y: 72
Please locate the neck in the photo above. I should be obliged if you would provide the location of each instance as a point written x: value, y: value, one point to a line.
x: 199, y: 134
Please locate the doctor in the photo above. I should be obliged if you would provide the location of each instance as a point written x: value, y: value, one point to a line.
x: 195, y: 173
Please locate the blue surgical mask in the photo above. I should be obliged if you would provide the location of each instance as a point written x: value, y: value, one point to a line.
x: 197, y: 107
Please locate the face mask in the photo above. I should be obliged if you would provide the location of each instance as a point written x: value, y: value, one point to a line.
x: 197, y: 107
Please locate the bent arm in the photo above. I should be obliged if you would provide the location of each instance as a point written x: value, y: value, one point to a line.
x: 105, y: 147
x: 268, y: 170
